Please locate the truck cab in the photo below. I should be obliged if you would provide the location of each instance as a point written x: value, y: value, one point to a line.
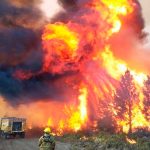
x: 12, y: 127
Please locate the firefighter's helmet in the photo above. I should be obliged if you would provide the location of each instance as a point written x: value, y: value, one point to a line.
x: 47, y: 130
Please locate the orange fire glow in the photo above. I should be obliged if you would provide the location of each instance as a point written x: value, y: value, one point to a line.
x: 116, y: 68
x: 63, y: 40
x: 75, y: 118
x: 59, y: 41
x: 83, y: 46
x: 115, y: 9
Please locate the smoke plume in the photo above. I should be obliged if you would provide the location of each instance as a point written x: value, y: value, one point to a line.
x: 21, y: 53
x: 20, y: 48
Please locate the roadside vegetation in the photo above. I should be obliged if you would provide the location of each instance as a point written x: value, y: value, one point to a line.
x: 139, y: 140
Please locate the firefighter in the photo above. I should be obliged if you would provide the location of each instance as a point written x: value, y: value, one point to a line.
x: 47, y: 142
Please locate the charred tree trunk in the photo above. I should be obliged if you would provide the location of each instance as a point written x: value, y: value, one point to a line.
x: 130, y: 117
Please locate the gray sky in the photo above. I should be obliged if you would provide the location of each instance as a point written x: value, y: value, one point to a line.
x: 146, y: 14
x: 51, y: 7
x: 146, y: 10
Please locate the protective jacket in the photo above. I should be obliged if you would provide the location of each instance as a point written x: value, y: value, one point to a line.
x: 47, y: 142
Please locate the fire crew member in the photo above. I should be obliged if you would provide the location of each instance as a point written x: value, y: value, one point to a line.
x: 47, y: 142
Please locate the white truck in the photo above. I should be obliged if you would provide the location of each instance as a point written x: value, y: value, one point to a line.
x: 12, y: 127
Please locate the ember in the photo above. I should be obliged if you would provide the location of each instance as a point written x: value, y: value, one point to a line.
x: 131, y: 141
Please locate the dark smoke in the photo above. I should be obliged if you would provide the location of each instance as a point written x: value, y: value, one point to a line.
x: 70, y: 6
x: 23, y: 15
x: 21, y: 25
x: 16, y: 44
x: 20, y: 49
x: 68, y: 3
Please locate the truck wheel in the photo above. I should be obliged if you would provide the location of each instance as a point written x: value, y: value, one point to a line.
x: 6, y: 136
x: 22, y: 135
x: 3, y: 135
x: 14, y: 135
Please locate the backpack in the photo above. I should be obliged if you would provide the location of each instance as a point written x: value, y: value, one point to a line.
x: 47, y: 138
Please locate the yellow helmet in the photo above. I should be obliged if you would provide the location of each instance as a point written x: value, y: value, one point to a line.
x: 47, y: 130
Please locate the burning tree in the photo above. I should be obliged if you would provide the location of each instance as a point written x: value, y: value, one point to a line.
x: 146, y: 101
x: 69, y: 63
x: 106, y: 120
x: 125, y: 96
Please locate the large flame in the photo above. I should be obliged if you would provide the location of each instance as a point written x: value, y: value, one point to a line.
x: 116, y: 68
x: 82, y: 45
x: 59, y: 43
x: 76, y: 116
x: 112, y: 11
x: 64, y: 40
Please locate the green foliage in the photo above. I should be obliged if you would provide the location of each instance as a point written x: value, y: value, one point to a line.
x: 116, y: 141
x: 143, y: 144
x: 106, y: 141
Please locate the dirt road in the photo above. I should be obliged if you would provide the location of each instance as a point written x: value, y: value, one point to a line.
x: 27, y: 144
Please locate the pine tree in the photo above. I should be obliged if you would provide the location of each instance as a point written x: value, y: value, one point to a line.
x: 146, y: 101
x: 106, y: 120
x: 124, y: 97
